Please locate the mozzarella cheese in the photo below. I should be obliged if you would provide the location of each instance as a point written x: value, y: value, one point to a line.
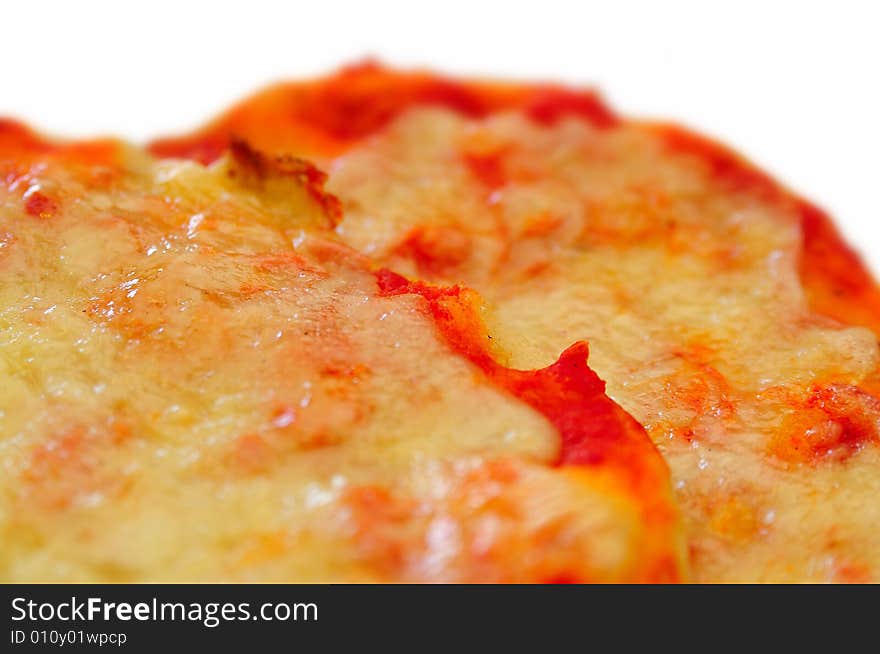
x: 690, y: 298
x: 200, y: 382
x: 726, y: 314
x: 373, y: 367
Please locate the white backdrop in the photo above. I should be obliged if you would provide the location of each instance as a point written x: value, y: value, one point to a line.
x: 794, y: 85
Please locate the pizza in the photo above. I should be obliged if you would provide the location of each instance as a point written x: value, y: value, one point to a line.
x: 202, y: 383
x: 387, y: 326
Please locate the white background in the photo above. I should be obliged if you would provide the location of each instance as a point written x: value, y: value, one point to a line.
x: 794, y: 85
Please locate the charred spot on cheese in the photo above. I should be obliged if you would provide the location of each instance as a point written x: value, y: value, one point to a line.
x: 284, y: 192
x: 268, y: 174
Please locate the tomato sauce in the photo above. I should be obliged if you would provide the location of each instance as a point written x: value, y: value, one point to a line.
x: 324, y: 117
x: 594, y: 431
x: 40, y: 206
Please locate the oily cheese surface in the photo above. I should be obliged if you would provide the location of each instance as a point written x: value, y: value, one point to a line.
x: 726, y: 315
x: 202, y: 382
x: 690, y: 298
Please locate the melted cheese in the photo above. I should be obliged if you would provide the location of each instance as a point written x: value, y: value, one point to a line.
x: 690, y: 299
x: 203, y: 380
x: 200, y: 382
x: 725, y: 314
